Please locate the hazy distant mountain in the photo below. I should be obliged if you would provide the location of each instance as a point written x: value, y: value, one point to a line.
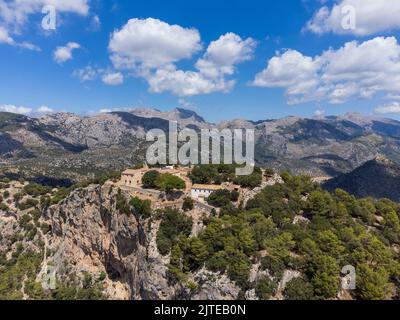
x: 378, y: 178
x: 64, y: 142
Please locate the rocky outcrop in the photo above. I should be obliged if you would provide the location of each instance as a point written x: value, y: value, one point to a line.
x: 90, y: 235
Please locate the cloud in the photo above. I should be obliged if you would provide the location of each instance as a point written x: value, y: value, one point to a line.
x: 44, y: 110
x: 152, y: 43
x: 86, y: 74
x: 14, y: 16
x: 186, y: 83
x: 15, y: 13
x: 371, y: 17
x: 63, y: 54
x: 218, y: 62
x: 113, y: 78
x: 15, y: 109
x: 223, y: 54
x: 186, y: 104
x: 95, y: 23
x: 7, y: 39
x: 105, y: 111
x: 391, y: 108
x: 152, y: 49
x: 109, y: 110
x: 90, y: 73
x: 354, y: 71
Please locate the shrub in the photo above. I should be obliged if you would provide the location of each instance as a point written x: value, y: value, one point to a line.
x: 168, y: 183
x: 122, y: 205
x: 299, y: 289
x: 150, y: 178
x: 36, y: 214
x: 275, y: 266
x: 251, y: 181
x: 45, y: 228
x: 188, y: 204
x: 142, y: 207
x: 102, y: 276
x: 220, y: 198
x: 35, y: 189
x: 265, y: 288
x: 24, y: 221
x: 29, y: 203
x: 173, y: 225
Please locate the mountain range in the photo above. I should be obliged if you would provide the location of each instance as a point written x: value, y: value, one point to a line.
x: 379, y: 178
x: 72, y: 145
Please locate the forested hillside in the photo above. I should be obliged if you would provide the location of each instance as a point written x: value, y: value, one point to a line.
x: 294, y: 226
x: 290, y: 241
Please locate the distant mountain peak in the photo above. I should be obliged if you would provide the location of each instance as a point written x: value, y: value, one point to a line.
x: 378, y: 178
x: 187, y: 114
x: 381, y: 159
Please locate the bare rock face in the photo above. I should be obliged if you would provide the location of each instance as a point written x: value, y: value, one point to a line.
x: 89, y: 234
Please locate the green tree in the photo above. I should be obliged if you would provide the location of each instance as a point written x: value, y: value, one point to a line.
x: 196, y: 253
x: 173, y: 225
x: 299, y: 289
x: 280, y: 246
x: 142, y: 207
x: 372, y: 285
x: 149, y: 179
x: 265, y: 288
x: 324, y: 272
x: 122, y: 204
x: 330, y: 244
x: 188, y: 204
x: 219, y: 198
x: 168, y: 183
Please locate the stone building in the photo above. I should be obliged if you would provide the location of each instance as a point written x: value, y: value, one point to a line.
x: 203, y: 191
x: 132, y: 178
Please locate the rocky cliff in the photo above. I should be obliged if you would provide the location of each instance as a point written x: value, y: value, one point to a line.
x: 89, y: 235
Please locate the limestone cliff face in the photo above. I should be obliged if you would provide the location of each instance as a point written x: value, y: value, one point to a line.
x: 90, y: 235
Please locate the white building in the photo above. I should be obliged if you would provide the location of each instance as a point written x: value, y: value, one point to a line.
x: 203, y: 191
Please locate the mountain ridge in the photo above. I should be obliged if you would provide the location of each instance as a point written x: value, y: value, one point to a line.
x: 87, y: 145
x: 378, y: 178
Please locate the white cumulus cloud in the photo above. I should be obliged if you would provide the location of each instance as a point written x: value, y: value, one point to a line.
x: 87, y: 73
x: 108, y: 77
x: 14, y: 16
x: 354, y: 71
x: 370, y: 17
x: 15, y: 109
x: 151, y: 43
x: 391, y: 108
x: 64, y: 53
x: 44, y: 110
x: 113, y: 78
x: 152, y: 48
x: 6, y: 38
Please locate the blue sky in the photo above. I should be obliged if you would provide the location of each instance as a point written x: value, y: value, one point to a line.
x: 280, y: 43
